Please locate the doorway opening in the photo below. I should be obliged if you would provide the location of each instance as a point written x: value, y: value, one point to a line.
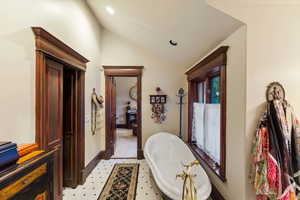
x: 126, y: 120
x: 123, y: 112
x: 70, y: 131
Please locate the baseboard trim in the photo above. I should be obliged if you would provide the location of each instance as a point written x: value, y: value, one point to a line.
x: 92, y: 164
x: 215, y: 194
x: 107, y: 155
x: 140, y: 154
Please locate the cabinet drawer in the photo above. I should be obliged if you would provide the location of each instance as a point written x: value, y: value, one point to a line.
x: 22, y: 183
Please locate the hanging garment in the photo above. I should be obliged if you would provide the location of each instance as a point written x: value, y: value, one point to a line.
x: 276, y: 153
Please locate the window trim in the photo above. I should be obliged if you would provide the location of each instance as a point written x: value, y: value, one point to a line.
x: 197, y: 74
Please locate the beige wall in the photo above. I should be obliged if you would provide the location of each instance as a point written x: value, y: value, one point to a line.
x: 273, y: 46
x: 70, y: 21
x: 123, y: 85
x: 235, y: 125
x: 157, y: 73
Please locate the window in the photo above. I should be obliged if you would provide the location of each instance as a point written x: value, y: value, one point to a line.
x: 207, y: 110
x: 206, y: 118
x: 215, y: 89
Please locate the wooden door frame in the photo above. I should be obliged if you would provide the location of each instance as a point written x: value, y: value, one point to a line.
x: 124, y: 71
x: 48, y: 46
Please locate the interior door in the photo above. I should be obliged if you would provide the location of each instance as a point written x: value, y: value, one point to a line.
x: 54, y: 119
x: 69, y: 129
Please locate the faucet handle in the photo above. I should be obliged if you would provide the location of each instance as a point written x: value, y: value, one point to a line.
x: 181, y: 176
x: 194, y: 163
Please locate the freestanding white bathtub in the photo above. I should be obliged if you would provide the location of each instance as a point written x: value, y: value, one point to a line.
x: 165, y: 153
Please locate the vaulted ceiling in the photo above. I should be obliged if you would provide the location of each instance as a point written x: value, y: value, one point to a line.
x: 151, y: 24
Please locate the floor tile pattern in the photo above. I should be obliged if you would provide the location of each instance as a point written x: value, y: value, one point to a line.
x: 97, y: 179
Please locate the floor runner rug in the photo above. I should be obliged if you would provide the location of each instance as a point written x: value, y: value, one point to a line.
x: 122, y: 183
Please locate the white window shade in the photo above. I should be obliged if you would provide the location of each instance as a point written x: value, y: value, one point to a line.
x: 198, y: 125
x: 212, y: 131
x: 206, y: 129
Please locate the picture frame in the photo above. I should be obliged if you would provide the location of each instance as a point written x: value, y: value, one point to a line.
x: 158, y: 99
x: 133, y: 93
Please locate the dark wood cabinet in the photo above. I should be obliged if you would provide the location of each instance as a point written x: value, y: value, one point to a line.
x: 32, y: 180
x: 60, y: 96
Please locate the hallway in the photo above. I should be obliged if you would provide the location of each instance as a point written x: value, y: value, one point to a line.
x: 126, y: 144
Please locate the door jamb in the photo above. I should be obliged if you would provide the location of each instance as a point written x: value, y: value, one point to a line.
x: 124, y: 71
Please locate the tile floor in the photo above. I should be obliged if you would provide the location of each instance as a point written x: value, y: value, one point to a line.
x: 97, y: 179
x: 126, y: 144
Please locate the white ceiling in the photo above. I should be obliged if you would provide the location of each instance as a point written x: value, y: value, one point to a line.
x: 196, y: 26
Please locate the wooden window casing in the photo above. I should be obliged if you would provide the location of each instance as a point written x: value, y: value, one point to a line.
x: 211, y: 66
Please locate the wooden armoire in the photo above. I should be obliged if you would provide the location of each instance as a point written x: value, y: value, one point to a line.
x: 60, y: 78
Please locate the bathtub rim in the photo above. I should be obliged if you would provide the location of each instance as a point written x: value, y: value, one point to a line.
x: 161, y: 182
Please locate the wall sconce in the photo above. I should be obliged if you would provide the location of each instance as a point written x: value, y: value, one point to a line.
x: 158, y: 110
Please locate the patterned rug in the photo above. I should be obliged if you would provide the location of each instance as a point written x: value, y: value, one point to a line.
x: 122, y: 183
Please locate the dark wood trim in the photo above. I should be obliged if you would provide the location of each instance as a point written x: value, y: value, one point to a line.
x: 39, y: 99
x: 108, y: 152
x: 49, y: 44
x: 212, y: 64
x: 204, y: 158
x: 140, y: 154
x: 192, y: 97
x: 223, y: 102
x: 124, y: 73
x: 215, y: 194
x: 212, y: 57
x: 124, y: 158
x: 122, y: 67
x: 80, y: 140
x: 121, y: 125
x: 92, y: 164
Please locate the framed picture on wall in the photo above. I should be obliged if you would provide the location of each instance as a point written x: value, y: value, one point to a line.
x: 152, y: 99
x: 163, y: 99
x: 157, y: 99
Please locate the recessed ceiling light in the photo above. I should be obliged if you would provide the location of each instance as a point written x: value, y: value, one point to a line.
x: 110, y: 10
x: 173, y: 43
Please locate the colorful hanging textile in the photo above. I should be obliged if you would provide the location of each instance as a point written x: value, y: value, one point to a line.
x: 275, y: 158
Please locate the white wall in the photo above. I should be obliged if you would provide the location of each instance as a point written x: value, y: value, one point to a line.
x: 70, y: 21
x: 273, y: 46
x: 123, y: 86
x: 235, y: 124
x: 157, y: 73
